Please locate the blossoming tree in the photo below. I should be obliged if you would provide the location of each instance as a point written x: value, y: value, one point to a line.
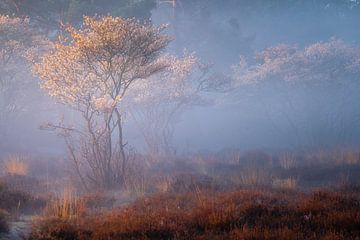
x: 313, y: 88
x: 91, y: 70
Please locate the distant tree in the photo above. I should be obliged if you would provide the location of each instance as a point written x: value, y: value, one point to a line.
x: 17, y: 39
x: 50, y: 15
x: 157, y: 104
x: 196, y: 25
x: 239, y: 27
x: 91, y: 72
x: 331, y: 61
x: 317, y: 88
x: 264, y: 6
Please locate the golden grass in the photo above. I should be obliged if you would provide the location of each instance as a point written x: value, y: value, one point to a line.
x: 16, y: 165
x: 287, y: 161
x: 287, y: 183
x: 254, y: 177
x: 66, y: 206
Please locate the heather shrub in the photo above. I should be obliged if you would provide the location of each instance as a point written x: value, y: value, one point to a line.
x: 98, y: 200
x: 242, y: 214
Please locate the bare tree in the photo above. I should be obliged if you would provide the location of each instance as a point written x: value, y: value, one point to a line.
x: 157, y: 104
x: 90, y: 71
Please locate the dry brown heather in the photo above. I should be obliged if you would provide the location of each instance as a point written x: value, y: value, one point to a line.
x: 242, y: 214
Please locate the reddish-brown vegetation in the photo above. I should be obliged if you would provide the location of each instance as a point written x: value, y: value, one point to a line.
x: 242, y: 214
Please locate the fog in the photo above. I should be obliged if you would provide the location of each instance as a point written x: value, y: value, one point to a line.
x: 219, y: 32
x: 179, y: 119
x: 266, y: 116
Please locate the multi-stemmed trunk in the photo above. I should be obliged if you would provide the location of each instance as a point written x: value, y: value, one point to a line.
x: 102, y: 151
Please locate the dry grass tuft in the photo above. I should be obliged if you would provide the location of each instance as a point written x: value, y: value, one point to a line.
x: 287, y: 183
x: 67, y: 206
x: 254, y: 177
x: 287, y: 161
x: 16, y: 165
